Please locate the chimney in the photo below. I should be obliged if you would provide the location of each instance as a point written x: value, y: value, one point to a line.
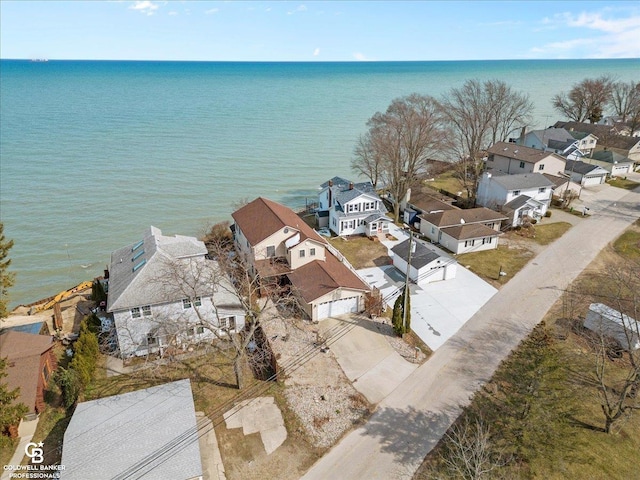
x: 350, y: 185
x: 331, y: 183
x: 522, y: 133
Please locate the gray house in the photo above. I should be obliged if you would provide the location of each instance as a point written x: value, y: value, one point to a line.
x: 604, y: 320
x: 147, y: 434
x: 586, y: 174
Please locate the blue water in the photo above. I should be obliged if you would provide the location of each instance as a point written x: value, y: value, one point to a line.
x: 93, y: 152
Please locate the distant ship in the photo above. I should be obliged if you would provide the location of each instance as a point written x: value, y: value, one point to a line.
x: 39, y: 59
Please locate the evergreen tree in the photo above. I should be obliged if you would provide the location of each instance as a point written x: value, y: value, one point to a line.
x: 69, y: 383
x: 10, y: 412
x: 85, y: 354
x: 6, y: 278
x: 396, y: 319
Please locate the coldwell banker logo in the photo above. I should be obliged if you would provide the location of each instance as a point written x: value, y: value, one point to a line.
x: 35, y: 452
x: 35, y: 468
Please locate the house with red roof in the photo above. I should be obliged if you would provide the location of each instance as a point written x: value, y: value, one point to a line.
x: 278, y: 243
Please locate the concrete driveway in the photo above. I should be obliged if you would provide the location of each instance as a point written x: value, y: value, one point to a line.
x: 369, y: 362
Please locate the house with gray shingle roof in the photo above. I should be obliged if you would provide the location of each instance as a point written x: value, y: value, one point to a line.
x: 607, y: 137
x: 560, y: 141
x: 586, y: 174
x: 502, y: 192
x: 511, y: 158
x: 165, y: 293
x: 613, y: 162
x: 146, y: 434
x: 349, y: 208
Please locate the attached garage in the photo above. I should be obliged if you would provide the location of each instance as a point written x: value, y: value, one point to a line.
x: 337, y: 307
x: 586, y: 174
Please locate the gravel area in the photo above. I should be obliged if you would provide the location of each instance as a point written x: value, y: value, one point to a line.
x: 406, y: 351
x: 317, y: 389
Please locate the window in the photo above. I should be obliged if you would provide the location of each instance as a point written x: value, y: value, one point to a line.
x: 186, y: 303
x: 541, y: 190
x: 541, y: 166
x: 491, y: 158
x: 469, y: 243
x: 521, y: 164
x: 151, y: 340
x: 271, y: 251
x: 191, y: 331
x: 228, y: 323
x: 312, y: 252
x: 433, y: 230
x: 197, y: 302
x: 486, y: 240
x: 135, y: 312
x: 302, y: 254
x: 516, y: 192
x: 146, y: 310
x: 199, y: 329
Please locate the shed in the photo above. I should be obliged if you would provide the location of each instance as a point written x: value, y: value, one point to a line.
x: 607, y: 321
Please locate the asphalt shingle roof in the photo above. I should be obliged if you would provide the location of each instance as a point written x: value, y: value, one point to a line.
x: 522, y: 180
x: 466, y: 232
x: 582, y: 168
x: 116, y: 435
x: 520, y: 152
x: 457, y: 217
x: 419, y: 258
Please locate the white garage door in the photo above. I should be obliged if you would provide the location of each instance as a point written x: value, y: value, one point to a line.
x: 595, y: 180
x: 620, y: 170
x: 428, y: 275
x: 337, y: 307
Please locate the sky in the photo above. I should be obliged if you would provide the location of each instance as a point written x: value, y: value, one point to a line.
x: 319, y: 30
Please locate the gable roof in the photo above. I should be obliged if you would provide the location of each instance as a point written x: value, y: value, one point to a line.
x: 138, y: 273
x: 517, y: 202
x: 555, y: 136
x: 583, y: 168
x: 262, y: 218
x: 520, y: 152
x: 556, y: 180
x: 610, y: 156
x: 519, y: 181
x: 466, y: 232
x: 318, y: 278
x: 152, y: 433
x: 606, y: 134
x: 419, y: 258
x: 462, y: 216
x: 428, y: 203
x: 23, y: 352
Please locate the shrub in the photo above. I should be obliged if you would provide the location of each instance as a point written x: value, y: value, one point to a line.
x: 69, y: 382
x: 548, y: 214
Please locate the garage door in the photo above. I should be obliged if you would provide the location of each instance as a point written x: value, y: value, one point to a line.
x: 620, y: 170
x: 595, y: 180
x: 337, y: 307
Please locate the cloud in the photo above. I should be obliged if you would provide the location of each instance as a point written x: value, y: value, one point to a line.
x: 299, y: 8
x: 147, y: 7
x: 602, y: 34
x: 316, y: 52
x: 360, y: 57
x: 211, y: 11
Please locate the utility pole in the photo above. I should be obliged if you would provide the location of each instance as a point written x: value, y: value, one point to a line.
x: 406, y: 282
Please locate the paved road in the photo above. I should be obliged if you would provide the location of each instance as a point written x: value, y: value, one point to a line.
x: 410, y: 421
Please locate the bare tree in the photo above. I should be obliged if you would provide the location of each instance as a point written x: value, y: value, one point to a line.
x: 617, y: 382
x: 400, y: 141
x: 366, y: 160
x: 469, y: 453
x: 625, y: 102
x: 479, y: 114
x: 586, y: 100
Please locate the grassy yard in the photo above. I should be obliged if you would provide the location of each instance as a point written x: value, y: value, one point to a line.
x: 447, y: 181
x: 623, y: 183
x: 628, y: 244
x: 487, y: 264
x: 362, y: 252
x: 545, y: 234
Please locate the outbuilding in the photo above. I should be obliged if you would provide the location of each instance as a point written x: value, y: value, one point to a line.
x: 609, y: 322
x: 427, y: 265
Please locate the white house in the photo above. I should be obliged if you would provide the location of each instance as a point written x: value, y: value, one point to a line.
x: 608, y: 136
x: 349, y: 208
x: 164, y: 292
x: 614, y: 163
x: 559, y: 140
x: 463, y: 230
x: 427, y: 265
x: 511, y: 158
x: 518, y: 196
x: 586, y: 174
x: 278, y: 243
x: 604, y: 320
x: 146, y: 434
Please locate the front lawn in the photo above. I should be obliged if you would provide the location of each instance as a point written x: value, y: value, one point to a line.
x: 488, y: 263
x: 447, y: 181
x: 623, y: 183
x: 362, y: 252
x: 545, y: 234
